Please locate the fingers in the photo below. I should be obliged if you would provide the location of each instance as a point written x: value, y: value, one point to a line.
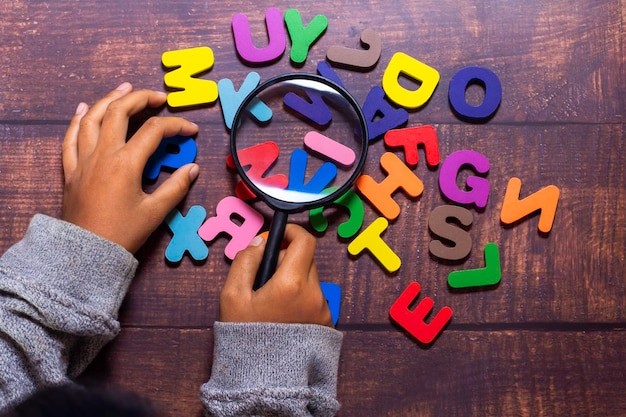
x: 70, y: 142
x: 244, y: 267
x: 118, y: 112
x: 300, y: 250
x: 173, y: 190
x: 91, y: 122
x: 146, y: 140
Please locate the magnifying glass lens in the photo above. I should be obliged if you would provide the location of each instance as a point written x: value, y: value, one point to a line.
x: 314, y: 140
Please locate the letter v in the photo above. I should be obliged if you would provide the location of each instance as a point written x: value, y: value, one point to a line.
x: 320, y: 180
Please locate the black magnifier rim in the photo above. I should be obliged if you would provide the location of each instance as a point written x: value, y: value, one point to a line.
x: 287, y: 206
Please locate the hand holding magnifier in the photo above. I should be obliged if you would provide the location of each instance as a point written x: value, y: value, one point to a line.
x: 321, y: 136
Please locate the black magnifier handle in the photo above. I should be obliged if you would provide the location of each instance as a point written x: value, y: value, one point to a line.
x: 272, y: 249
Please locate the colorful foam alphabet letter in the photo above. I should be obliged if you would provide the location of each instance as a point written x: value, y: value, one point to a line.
x: 410, y: 138
x: 358, y: 58
x: 399, y: 177
x: 259, y: 159
x: 370, y: 239
x: 475, y: 75
x: 380, y: 115
x: 326, y: 71
x: 185, y: 235
x: 329, y: 148
x: 403, y: 64
x: 350, y: 227
x: 172, y: 152
x: 332, y: 293
x: 325, y: 174
x: 544, y: 200
x: 314, y: 110
x: 235, y: 218
x: 478, y: 193
x: 489, y: 275
x: 413, y: 320
x: 303, y: 37
x: 188, y: 63
x: 231, y: 99
x: 277, y: 41
x: 439, y: 226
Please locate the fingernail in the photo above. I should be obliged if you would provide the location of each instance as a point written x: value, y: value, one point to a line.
x: 193, y: 172
x: 123, y: 86
x: 256, y: 241
x: 81, y: 109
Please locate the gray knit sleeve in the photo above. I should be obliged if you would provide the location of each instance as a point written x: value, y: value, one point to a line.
x: 60, y: 291
x: 273, y: 369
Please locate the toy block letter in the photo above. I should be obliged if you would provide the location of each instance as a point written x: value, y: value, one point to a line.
x: 461, y: 241
x: 326, y: 71
x: 413, y: 320
x: 325, y: 174
x: 403, y: 64
x: 380, y: 115
x: 259, y: 159
x: 478, y: 193
x: 303, y: 37
x: 275, y: 33
x: 186, y: 64
x: 358, y: 58
x: 489, y: 275
x: 173, y: 152
x: 332, y: 294
x: 231, y: 99
x: 410, y: 138
x: 229, y: 211
x: 399, y: 177
x: 370, y: 239
x: 315, y: 110
x: 475, y: 75
x: 351, y: 201
x: 544, y: 200
x: 185, y: 235
x: 328, y: 148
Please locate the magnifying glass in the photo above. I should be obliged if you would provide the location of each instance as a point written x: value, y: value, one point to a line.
x: 315, y: 140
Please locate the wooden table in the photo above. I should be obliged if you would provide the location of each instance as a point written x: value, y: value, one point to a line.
x: 547, y: 340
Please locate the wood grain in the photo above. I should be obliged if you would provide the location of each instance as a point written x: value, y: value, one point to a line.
x: 468, y: 373
x: 548, y: 340
x: 556, y: 61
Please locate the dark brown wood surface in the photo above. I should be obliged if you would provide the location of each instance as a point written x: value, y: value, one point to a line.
x: 548, y: 340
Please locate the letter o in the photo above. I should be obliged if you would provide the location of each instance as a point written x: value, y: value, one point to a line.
x: 458, y: 85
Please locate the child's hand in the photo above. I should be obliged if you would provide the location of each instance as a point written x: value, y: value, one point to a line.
x: 292, y: 295
x: 103, y: 173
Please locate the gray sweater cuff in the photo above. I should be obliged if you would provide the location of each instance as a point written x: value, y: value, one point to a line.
x: 71, y: 264
x: 288, y: 369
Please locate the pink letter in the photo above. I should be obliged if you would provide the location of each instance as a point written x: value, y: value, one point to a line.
x: 241, y: 234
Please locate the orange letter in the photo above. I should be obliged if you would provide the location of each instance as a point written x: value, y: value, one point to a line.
x: 544, y: 200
